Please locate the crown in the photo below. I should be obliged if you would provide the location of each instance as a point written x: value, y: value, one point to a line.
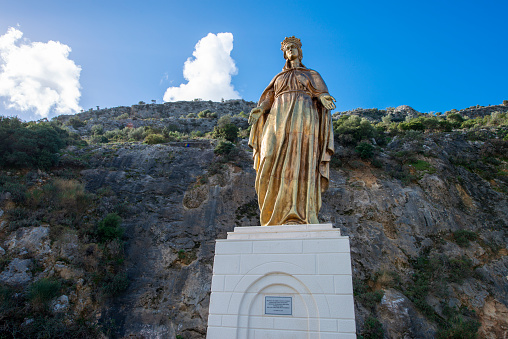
x: 291, y: 40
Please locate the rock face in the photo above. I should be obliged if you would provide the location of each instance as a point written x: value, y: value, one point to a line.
x: 33, y: 240
x: 17, y: 273
x: 179, y: 203
x: 401, y: 318
x: 427, y: 228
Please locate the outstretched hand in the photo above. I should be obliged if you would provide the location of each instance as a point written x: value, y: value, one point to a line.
x: 254, y: 115
x: 327, y: 101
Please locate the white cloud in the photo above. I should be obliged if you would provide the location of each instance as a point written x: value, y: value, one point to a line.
x: 38, y: 76
x: 209, y: 73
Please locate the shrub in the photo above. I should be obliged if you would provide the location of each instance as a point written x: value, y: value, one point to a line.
x: 371, y: 299
x: 460, y: 269
x: 136, y: 134
x: 455, y: 119
x: 225, y: 129
x: 75, y: 123
x: 228, y: 132
x: 16, y: 189
x: 152, y: 139
x: 122, y: 116
x: 109, y: 228
x: 463, y: 237
x: 191, y: 116
x: 365, y: 150
x: 117, y: 134
x: 196, y: 134
x: 373, y: 329
x: 459, y: 328
x: 350, y: 130
x: 207, y: 114
x: 32, y: 145
x: 99, y: 139
x: 42, y: 291
x: 224, y: 148
x: 242, y: 114
x: 116, y: 285
x: 68, y: 194
x: 175, y: 136
x: 97, y: 129
x: 421, y: 165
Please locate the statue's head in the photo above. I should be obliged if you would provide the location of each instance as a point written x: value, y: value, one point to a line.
x: 289, y: 45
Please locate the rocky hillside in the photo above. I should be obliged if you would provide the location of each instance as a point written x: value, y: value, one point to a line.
x: 116, y: 238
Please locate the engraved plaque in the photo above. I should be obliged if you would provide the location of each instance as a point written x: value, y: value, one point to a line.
x: 278, y: 305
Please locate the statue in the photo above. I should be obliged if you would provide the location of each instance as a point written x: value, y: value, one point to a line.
x: 292, y: 142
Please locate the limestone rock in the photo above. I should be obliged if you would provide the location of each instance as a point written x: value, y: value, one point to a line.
x: 35, y: 240
x: 401, y: 319
x: 61, y: 304
x: 494, y: 319
x: 17, y: 273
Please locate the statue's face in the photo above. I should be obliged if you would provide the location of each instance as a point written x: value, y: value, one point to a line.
x: 291, y: 52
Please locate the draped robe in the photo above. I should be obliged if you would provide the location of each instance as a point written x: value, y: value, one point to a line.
x: 292, y: 143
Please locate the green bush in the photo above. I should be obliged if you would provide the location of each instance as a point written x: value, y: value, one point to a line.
x: 455, y: 119
x: 75, y: 123
x: 351, y: 129
x: 207, y: 114
x: 122, y: 116
x: 373, y: 329
x: 371, y: 299
x: 109, y: 228
x: 116, y: 285
x: 224, y: 148
x: 460, y: 328
x: 42, y: 291
x: 365, y: 150
x: 191, y: 116
x: 460, y: 269
x: 30, y: 145
x: 117, y: 134
x: 97, y: 129
x: 463, y: 237
x: 152, y: 139
x: 99, y: 139
x: 136, y: 134
x: 176, y: 136
x: 422, y: 166
x: 196, y: 134
x: 225, y: 129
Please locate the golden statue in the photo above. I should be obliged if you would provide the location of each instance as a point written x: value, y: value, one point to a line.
x: 292, y: 142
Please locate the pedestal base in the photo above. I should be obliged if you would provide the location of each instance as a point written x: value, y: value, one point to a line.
x: 282, y: 282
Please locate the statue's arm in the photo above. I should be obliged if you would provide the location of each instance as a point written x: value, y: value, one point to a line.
x: 263, y: 107
x: 318, y: 87
x: 327, y: 100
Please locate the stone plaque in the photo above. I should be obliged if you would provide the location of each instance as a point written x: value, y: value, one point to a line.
x: 278, y: 305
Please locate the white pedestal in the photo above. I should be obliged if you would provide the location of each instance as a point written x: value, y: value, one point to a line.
x: 282, y: 282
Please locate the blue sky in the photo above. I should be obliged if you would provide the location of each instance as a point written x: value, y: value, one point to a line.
x: 432, y: 55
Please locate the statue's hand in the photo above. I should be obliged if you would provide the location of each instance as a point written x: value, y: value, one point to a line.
x: 254, y: 115
x: 327, y: 101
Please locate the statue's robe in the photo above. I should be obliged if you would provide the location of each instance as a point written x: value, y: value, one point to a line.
x: 292, y: 143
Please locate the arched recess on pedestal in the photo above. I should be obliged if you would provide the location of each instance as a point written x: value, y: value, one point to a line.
x: 273, y: 280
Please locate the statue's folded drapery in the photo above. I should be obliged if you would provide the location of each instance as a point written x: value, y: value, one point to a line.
x: 292, y: 144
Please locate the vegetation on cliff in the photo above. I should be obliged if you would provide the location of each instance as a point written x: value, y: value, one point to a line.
x: 108, y: 219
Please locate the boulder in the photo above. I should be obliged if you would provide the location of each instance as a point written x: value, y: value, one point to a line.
x: 17, y: 273
x: 400, y: 318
